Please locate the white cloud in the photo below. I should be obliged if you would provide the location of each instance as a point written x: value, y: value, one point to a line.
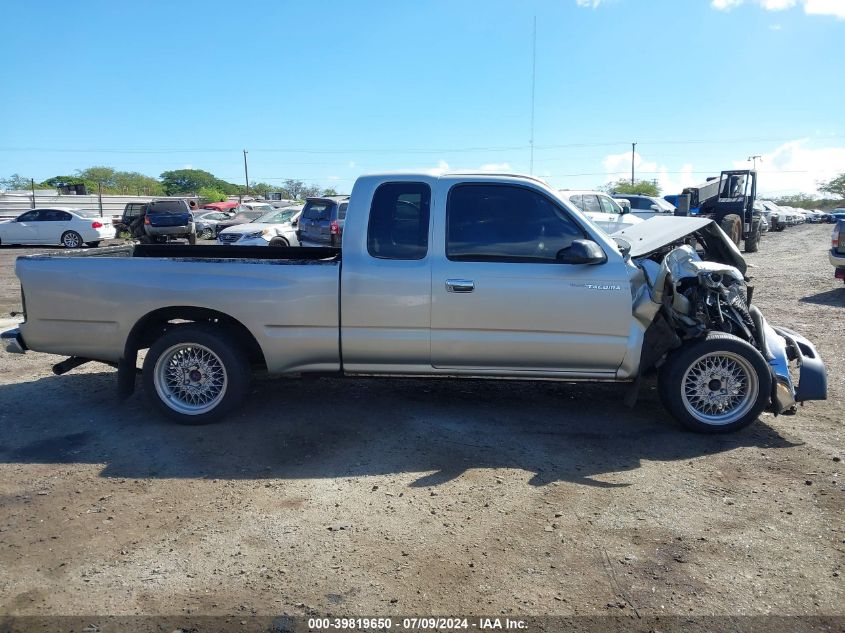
x: 792, y: 167
x: 618, y: 166
x: 775, y: 27
x: 496, y: 167
x: 352, y: 164
x: 825, y: 7
x: 811, y: 7
x: 592, y: 4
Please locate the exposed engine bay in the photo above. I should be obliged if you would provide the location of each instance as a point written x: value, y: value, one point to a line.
x: 690, y: 281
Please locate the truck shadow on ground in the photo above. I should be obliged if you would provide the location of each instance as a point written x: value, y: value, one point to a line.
x: 434, y: 429
x: 835, y: 298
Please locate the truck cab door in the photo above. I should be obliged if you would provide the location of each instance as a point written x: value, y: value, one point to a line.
x: 386, y: 281
x: 502, y: 301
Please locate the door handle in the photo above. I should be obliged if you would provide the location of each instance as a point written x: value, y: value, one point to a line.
x: 460, y: 285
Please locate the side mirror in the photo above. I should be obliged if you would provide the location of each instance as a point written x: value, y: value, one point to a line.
x: 582, y: 252
x: 294, y: 222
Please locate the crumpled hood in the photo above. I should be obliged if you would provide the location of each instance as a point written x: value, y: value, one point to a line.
x: 252, y: 227
x: 655, y: 233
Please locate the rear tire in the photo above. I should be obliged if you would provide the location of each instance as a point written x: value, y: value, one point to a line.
x: 732, y: 226
x: 192, y: 239
x: 752, y: 243
x: 71, y: 239
x: 92, y: 244
x: 717, y: 384
x: 196, y: 373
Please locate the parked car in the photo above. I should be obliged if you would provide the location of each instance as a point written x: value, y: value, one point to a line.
x: 244, y: 214
x: 775, y: 216
x: 163, y: 220
x: 322, y: 220
x: 645, y: 207
x: 274, y: 228
x: 130, y: 211
x: 837, y: 214
x: 227, y: 206
x: 601, y: 209
x: 483, y: 275
x: 205, y: 222
x: 68, y: 226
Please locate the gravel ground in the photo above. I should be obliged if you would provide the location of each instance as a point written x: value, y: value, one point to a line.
x: 356, y: 497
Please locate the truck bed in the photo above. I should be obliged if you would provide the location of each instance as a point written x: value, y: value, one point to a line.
x: 181, y: 252
x: 86, y: 303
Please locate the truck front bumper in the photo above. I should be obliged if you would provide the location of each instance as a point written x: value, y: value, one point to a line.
x: 13, y: 341
x: 787, y: 346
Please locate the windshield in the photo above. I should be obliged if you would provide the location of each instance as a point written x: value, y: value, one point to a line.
x: 277, y: 217
x: 247, y: 216
x: 663, y: 204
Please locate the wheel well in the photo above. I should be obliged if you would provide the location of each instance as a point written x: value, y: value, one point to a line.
x: 153, y: 325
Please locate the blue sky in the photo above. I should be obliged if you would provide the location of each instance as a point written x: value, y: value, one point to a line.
x: 325, y: 91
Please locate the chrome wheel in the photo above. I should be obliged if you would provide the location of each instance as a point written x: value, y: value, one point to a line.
x: 190, y: 378
x: 207, y: 234
x: 71, y: 240
x: 719, y: 388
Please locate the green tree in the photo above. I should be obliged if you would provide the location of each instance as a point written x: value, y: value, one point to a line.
x: 328, y: 191
x: 105, y: 175
x: 310, y: 192
x: 836, y: 186
x: 641, y: 187
x: 210, y: 194
x: 294, y: 189
x: 184, y: 181
x: 15, y: 181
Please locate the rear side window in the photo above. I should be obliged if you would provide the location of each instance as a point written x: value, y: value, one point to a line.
x: 341, y: 212
x: 316, y: 211
x: 399, y: 215
x: 54, y: 215
x: 591, y: 204
x: 507, y: 224
x: 167, y: 206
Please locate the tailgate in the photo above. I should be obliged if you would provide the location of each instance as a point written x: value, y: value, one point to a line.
x: 169, y: 219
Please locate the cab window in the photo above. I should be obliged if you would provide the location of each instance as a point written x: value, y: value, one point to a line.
x: 491, y: 222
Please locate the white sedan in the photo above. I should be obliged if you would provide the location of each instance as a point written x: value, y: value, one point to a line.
x: 69, y: 227
x: 274, y: 228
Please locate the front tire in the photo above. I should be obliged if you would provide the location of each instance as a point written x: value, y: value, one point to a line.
x: 93, y: 244
x: 279, y: 241
x: 192, y: 239
x: 71, y: 239
x: 718, y: 384
x: 732, y: 226
x: 195, y: 374
x: 207, y: 234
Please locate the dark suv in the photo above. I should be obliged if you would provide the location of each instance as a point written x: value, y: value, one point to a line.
x: 322, y: 220
x: 160, y: 220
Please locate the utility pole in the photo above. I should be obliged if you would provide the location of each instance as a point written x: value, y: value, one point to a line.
x: 533, y: 82
x: 754, y: 159
x: 32, y: 186
x: 246, y: 173
x: 633, y: 152
x: 100, y: 196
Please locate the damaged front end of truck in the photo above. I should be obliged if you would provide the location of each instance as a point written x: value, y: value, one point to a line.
x: 691, y: 281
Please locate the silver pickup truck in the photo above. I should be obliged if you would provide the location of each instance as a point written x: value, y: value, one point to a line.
x: 456, y: 275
